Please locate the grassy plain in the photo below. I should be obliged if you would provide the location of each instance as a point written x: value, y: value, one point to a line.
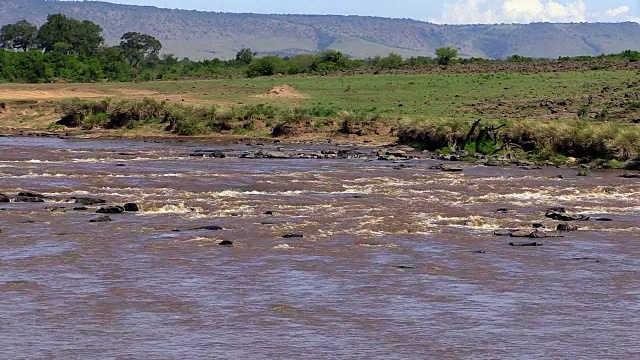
x: 397, y: 101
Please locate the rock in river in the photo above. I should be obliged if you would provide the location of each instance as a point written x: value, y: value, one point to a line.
x: 110, y: 210
x: 565, y: 217
x: 446, y: 168
x: 532, y: 244
x: 89, y: 201
x: 30, y: 194
x: 293, y: 235
x: 28, y: 199
x: 132, y: 207
x: 566, y: 227
x: 396, y: 153
x: 631, y: 176
x: 210, y: 227
x: 266, y: 155
x: 104, y: 218
x: 209, y: 153
x: 528, y: 233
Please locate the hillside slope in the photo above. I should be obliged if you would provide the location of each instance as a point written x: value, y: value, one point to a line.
x: 198, y: 35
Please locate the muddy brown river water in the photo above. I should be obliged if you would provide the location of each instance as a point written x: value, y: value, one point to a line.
x: 395, y: 262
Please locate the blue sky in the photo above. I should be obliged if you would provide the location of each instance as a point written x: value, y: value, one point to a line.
x: 441, y: 11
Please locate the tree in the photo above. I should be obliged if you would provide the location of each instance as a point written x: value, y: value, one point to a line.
x: 21, y: 35
x: 81, y: 37
x: 392, y: 61
x: 445, y: 55
x: 266, y: 66
x: 245, y: 56
x: 137, y: 47
x: 330, y: 60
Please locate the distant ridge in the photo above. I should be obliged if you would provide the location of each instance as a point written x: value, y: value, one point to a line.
x: 200, y: 35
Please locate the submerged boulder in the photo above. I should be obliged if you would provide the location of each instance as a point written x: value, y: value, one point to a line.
x: 446, y: 168
x: 526, y: 233
x: 218, y: 154
x: 631, y: 175
x: 104, y: 218
x: 30, y: 194
x: 110, y: 210
x: 396, y: 153
x: 89, y: 201
x: 210, y: 227
x: 28, y: 199
x: 566, y: 227
x: 525, y: 244
x: 266, y: 155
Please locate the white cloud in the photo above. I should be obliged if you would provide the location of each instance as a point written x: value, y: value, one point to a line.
x: 622, y: 10
x: 525, y: 11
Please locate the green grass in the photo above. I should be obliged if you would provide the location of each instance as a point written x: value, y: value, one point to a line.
x: 467, y: 96
x: 571, y: 113
x: 433, y: 95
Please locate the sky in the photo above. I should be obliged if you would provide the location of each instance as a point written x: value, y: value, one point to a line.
x: 437, y: 11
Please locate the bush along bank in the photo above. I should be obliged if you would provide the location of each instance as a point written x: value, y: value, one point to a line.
x: 189, y: 120
x: 607, y: 143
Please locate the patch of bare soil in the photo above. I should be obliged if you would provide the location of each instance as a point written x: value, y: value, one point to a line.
x: 49, y: 94
x: 283, y: 92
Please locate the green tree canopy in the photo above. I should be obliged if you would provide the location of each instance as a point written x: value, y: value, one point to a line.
x: 266, y: 66
x: 245, y: 56
x: 392, y: 61
x: 445, y: 55
x: 137, y: 47
x: 82, y: 37
x: 330, y: 60
x: 21, y: 35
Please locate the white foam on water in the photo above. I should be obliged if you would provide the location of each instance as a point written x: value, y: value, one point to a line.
x: 283, y: 247
x: 122, y: 160
x: 633, y: 229
x: 369, y: 232
x: 31, y: 161
x: 32, y: 175
x: 180, y: 208
x: 67, y: 193
x: 237, y: 194
x: 614, y: 210
x: 198, y: 239
x: 196, y: 215
x: 388, y: 246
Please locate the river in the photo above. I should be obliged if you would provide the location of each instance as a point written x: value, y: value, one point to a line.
x: 395, y: 262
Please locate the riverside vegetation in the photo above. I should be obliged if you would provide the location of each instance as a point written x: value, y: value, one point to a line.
x: 540, y: 109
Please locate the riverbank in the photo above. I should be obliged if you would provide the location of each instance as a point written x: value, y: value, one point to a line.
x: 573, y: 117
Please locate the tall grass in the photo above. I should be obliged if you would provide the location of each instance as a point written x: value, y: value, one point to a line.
x: 578, y: 138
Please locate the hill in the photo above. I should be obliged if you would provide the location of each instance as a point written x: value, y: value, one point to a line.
x: 200, y: 35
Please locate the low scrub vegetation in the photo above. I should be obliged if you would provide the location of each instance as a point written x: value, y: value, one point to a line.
x: 542, y: 140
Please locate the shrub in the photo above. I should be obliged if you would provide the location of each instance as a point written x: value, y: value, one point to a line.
x: 99, y: 120
x: 446, y: 55
x: 266, y: 66
x: 190, y: 126
x: 126, y: 111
